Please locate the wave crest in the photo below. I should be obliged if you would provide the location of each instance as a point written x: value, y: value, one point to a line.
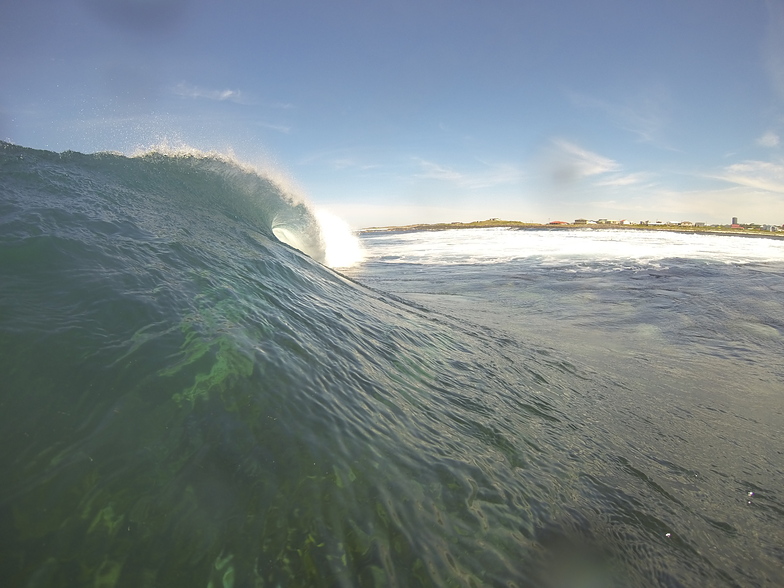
x: 242, y: 192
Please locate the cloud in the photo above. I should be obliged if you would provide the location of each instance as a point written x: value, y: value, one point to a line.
x: 279, y: 128
x: 434, y: 171
x: 624, y: 180
x: 345, y: 158
x: 705, y: 205
x: 769, y: 139
x: 189, y: 91
x: 341, y: 163
x: 645, y: 117
x: 571, y: 163
x: 493, y: 175
x: 762, y: 175
x: 752, y: 205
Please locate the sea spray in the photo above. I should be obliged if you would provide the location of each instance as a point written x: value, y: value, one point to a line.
x: 343, y: 247
x: 316, y: 232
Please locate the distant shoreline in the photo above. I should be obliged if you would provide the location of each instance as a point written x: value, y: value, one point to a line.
x: 518, y: 225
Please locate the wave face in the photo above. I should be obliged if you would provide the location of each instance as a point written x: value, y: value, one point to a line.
x: 186, y: 401
x: 168, y: 196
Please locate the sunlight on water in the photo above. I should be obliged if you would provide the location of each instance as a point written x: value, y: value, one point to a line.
x: 343, y: 248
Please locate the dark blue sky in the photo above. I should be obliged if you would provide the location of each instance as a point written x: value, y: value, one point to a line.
x: 390, y: 112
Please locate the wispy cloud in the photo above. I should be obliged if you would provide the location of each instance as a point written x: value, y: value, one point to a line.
x: 341, y: 163
x: 624, y: 179
x: 279, y: 128
x: 720, y: 205
x: 762, y: 175
x: 434, y: 171
x: 196, y: 92
x: 769, y: 139
x: 571, y: 163
x: 707, y: 205
x: 495, y: 174
x: 346, y: 158
x: 644, y: 117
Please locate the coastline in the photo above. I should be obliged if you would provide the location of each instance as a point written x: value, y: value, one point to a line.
x: 518, y: 225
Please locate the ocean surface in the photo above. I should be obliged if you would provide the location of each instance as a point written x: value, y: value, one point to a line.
x: 190, y: 396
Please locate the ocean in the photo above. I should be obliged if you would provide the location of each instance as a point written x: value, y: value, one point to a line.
x: 190, y: 396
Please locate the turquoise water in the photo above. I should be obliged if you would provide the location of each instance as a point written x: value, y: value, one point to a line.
x: 188, y: 401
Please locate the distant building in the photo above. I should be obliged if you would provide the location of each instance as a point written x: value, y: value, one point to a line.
x: 734, y: 220
x: 558, y: 223
x: 699, y: 224
x: 686, y: 224
x: 581, y: 221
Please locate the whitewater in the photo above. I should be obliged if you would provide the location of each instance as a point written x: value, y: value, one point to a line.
x: 191, y: 396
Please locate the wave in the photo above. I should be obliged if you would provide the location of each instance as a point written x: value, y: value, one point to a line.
x: 188, y: 401
x: 210, y: 183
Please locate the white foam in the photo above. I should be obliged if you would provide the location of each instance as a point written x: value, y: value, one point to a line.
x: 342, y: 246
x: 481, y: 246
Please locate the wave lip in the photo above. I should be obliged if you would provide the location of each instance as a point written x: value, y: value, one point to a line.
x: 210, y: 184
x: 244, y: 193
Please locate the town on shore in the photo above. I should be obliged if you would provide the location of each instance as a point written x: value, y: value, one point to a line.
x: 735, y: 228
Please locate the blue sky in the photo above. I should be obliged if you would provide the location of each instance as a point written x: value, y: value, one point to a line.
x: 426, y: 111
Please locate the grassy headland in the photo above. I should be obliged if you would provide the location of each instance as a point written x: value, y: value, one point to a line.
x: 750, y: 231
x: 493, y: 222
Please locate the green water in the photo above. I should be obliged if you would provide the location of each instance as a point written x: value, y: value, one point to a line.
x: 188, y: 402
